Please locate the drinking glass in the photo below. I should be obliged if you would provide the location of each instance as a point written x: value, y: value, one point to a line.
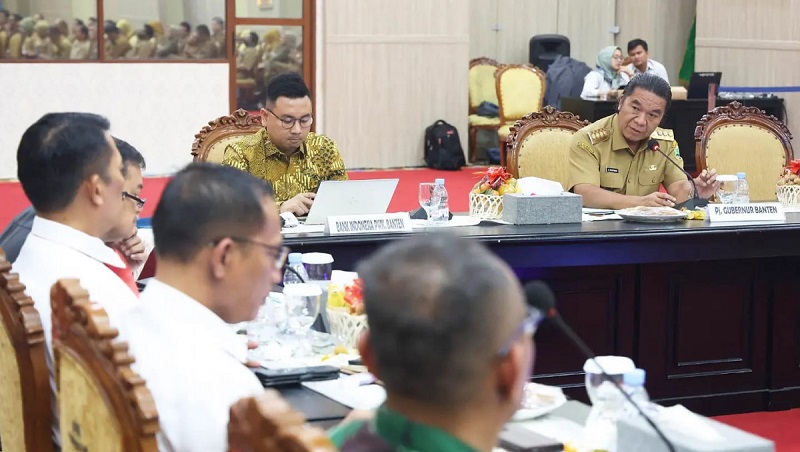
x: 302, y: 307
x: 426, y: 197
x: 727, y: 193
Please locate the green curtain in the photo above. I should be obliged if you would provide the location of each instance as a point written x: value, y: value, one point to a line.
x: 687, y: 67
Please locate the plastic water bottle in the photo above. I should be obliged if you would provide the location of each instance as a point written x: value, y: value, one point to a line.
x: 440, y: 209
x: 742, y: 189
x: 634, y: 386
x: 295, y: 263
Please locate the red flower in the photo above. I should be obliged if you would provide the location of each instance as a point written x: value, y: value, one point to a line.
x: 794, y: 166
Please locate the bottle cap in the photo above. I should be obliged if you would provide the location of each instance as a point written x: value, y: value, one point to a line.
x: 317, y: 258
x: 295, y: 258
x: 635, y: 377
x: 741, y: 175
x: 439, y: 181
x: 302, y: 290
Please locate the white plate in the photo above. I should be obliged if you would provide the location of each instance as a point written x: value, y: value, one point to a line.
x: 652, y: 214
x: 539, y: 400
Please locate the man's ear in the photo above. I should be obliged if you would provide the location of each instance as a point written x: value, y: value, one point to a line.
x: 220, y: 258
x: 513, y: 372
x: 367, y: 355
x: 619, y: 104
x: 94, y: 188
x: 263, y: 113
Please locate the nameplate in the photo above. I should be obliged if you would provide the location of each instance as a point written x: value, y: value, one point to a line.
x: 764, y: 211
x: 366, y: 224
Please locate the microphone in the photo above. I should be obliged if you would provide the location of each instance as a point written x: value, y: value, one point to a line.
x: 694, y: 201
x: 539, y: 296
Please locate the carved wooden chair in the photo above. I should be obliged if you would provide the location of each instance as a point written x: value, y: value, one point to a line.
x: 735, y: 138
x: 539, y: 144
x: 25, y: 416
x: 209, y: 144
x: 103, y: 404
x: 520, y: 90
x: 482, y: 88
x: 266, y: 423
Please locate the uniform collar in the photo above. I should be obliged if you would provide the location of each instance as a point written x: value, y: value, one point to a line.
x: 618, y: 141
x: 401, y: 431
x: 271, y: 149
x: 80, y: 241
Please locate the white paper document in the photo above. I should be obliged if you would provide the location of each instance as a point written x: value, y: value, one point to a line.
x: 348, y: 392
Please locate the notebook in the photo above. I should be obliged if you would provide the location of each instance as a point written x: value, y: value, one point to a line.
x: 351, y: 197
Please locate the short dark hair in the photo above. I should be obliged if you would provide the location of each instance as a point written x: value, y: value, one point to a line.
x: 433, y: 304
x: 129, y: 154
x: 203, y: 30
x: 186, y: 25
x: 83, y: 29
x: 218, y: 20
x: 110, y: 28
x: 652, y: 83
x: 57, y: 153
x: 204, y: 202
x: 289, y: 84
x: 17, y: 17
x: 634, y: 43
x: 5, y: 13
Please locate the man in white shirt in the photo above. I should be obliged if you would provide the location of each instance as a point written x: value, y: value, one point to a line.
x: 641, y: 62
x: 218, y: 240
x: 73, y: 174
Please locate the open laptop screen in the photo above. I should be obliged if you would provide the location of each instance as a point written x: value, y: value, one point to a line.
x: 351, y: 197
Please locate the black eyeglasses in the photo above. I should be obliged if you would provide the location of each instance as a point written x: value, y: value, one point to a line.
x: 279, y: 253
x: 288, y: 122
x: 528, y: 327
x: 139, y: 201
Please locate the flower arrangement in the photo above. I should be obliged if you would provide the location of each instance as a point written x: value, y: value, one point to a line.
x: 791, y: 174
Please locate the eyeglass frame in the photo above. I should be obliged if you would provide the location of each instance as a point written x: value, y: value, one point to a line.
x: 293, y: 120
x: 279, y: 253
x: 527, y: 327
x: 139, y: 201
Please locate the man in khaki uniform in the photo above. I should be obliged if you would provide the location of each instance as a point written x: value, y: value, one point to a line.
x: 611, y: 166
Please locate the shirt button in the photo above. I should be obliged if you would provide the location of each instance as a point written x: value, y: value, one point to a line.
x: 654, y: 181
x: 630, y: 181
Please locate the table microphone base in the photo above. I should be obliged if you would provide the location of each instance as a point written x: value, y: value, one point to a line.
x: 692, y: 203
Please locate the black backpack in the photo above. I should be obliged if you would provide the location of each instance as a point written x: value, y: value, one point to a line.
x: 443, y: 147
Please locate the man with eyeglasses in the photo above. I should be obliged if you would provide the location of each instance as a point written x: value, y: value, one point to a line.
x: 219, y: 254
x: 450, y: 337
x: 285, y: 152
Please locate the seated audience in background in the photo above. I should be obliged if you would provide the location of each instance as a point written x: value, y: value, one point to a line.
x: 611, y: 165
x: 218, y: 35
x: 4, y: 19
x: 199, y: 45
x: 185, y: 32
x: 73, y: 174
x: 219, y: 254
x: 285, y: 152
x: 117, y: 45
x: 608, y: 76
x: 58, y: 46
x: 641, y: 62
x: 451, y: 338
x: 169, y: 45
x: 142, y: 43
x: 81, y: 46
x: 15, y: 37
x: 247, y: 57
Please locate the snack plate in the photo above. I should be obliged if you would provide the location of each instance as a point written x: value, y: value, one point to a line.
x: 539, y: 400
x: 652, y: 214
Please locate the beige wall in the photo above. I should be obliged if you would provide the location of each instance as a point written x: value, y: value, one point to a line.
x: 390, y: 69
x: 753, y: 44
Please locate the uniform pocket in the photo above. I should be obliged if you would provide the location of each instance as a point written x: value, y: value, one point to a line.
x: 612, y: 181
x: 650, y: 180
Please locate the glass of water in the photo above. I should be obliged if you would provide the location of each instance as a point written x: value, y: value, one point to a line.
x: 302, y: 306
x: 426, y: 197
x: 728, y: 191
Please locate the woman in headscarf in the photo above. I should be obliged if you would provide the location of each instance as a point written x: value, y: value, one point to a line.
x: 609, y: 75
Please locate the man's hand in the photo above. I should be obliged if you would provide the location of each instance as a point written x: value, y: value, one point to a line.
x: 299, y: 205
x: 707, y: 183
x: 626, y: 70
x: 657, y: 199
x: 132, y: 249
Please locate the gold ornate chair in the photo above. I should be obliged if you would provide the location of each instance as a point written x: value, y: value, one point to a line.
x: 25, y: 418
x: 520, y: 90
x: 266, y: 423
x: 482, y: 87
x: 209, y: 144
x: 735, y: 138
x: 103, y: 404
x: 539, y: 144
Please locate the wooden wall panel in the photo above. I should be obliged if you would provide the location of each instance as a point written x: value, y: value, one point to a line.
x: 519, y: 21
x: 482, y: 21
x: 390, y: 70
x: 586, y: 41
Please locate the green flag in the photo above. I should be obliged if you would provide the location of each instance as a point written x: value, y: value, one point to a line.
x: 687, y: 67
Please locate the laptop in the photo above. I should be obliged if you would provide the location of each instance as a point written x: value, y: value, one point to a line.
x: 698, y: 84
x: 351, y: 197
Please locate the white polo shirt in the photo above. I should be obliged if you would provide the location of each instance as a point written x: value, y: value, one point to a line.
x: 192, y: 362
x: 653, y: 67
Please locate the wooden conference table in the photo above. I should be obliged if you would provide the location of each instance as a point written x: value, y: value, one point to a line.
x: 712, y: 312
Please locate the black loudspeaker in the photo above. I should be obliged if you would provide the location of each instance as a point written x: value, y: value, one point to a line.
x: 544, y: 49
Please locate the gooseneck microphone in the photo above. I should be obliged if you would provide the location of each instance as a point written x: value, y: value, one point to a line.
x: 694, y: 200
x: 539, y: 296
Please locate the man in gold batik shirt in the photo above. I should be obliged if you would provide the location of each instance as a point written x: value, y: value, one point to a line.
x: 611, y: 164
x: 285, y: 152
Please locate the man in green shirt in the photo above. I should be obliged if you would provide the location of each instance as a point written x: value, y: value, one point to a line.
x: 450, y: 337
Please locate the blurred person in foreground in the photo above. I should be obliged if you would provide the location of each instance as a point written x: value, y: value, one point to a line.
x: 450, y: 336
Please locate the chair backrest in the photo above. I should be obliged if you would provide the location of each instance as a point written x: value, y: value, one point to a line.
x: 482, y: 85
x: 540, y: 144
x: 735, y: 138
x: 544, y: 49
x: 266, y: 423
x: 209, y: 144
x: 103, y: 404
x: 520, y: 90
x: 25, y: 415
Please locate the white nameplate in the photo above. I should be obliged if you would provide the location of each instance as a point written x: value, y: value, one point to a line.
x: 763, y: 211
x: 364, y: 224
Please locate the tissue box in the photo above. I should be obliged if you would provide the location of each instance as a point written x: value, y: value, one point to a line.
x: 542, y: 209
x: 634, y: 434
